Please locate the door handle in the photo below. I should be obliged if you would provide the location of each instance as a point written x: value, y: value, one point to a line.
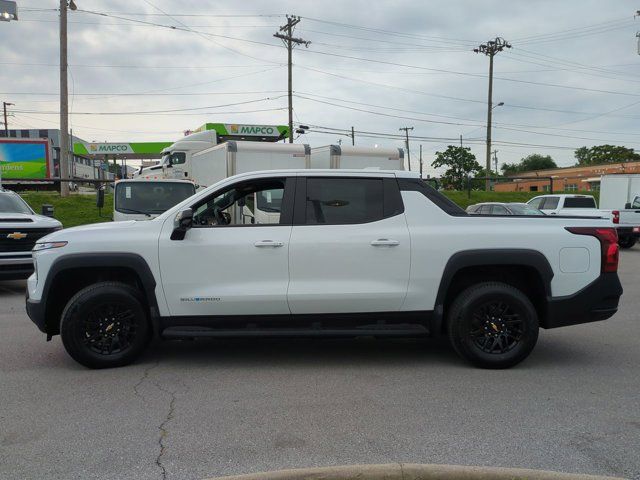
x: 268, y: 243
x: 385, y: 242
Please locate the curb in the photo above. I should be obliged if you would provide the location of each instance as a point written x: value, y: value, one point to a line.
x: 411, y: 471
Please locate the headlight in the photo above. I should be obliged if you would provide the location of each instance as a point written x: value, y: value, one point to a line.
x: 48, y: 245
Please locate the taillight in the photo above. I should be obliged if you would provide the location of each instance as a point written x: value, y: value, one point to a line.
x: 608, y: 245
x: 616, y: 216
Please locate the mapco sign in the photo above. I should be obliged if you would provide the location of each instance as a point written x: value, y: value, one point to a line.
x: 238, y: 131
x: 121, y: 150
x: 253, y: 130
x: 106, y: 148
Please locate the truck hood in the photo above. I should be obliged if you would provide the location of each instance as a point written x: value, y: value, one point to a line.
x: 94, y: 230
x: 23, y: 220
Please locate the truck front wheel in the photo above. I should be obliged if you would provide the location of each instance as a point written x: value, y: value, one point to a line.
x: 493, y: 325
x: 105, y: 325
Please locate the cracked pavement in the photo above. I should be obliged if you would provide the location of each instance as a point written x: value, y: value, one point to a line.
x: 191, y: 410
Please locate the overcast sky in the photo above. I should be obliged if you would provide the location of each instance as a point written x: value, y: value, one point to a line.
x: 571, y: 78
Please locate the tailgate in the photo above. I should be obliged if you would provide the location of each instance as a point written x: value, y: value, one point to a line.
x: 630, y: 218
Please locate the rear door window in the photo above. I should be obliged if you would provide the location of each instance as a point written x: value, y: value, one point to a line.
x: 342, y: 201
x: 579, y: 202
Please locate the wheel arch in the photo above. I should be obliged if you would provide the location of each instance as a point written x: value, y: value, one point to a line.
x: 523, y: 268
x: 70, y: 273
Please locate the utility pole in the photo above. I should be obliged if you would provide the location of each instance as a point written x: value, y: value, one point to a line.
x: 6, y: 122
x: 495, y: 160
x: 420, y: 160
x: 406, y: 131
x: 637, y: 33
x: 490, y: 49
x: 289, y: 42
x: 64, y: 98
x: 353, y: 136
x: 460, y: 140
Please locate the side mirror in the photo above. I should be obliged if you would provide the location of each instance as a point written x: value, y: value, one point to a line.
x: 182, y: 223
x: 627, y: 206
x: 47, y: 210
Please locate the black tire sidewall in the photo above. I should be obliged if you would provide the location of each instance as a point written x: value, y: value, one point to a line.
x: 627, y: 242
x: 72, y: 328
x: 460, y: 317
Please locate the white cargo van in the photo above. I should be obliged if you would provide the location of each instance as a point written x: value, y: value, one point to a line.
x: 344, y: 156
x: 142, y: 199
x: 621, y: 191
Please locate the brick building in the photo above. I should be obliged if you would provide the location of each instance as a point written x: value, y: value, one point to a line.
x: 569, y: 179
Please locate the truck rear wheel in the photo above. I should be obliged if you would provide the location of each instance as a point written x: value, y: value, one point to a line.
x: 105, y: 325
x: 493, y: 325
x: 627, y: 242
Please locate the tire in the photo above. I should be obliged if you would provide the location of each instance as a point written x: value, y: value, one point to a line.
x: 96, y: 343
x: 627, y: 242
x: 487, y: 341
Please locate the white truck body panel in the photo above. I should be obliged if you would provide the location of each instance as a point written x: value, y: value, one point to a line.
x: 619, y: 189
x: 346, y: 157
x: 426, y: 231
x: 231, y: 158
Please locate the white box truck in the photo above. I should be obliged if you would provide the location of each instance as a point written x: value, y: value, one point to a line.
x: 345, y: 156
x: 230, y: 158
x: 176, y: 158
x: 621, y: 191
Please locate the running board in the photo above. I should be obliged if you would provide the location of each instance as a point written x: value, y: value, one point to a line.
x: 374, y: 331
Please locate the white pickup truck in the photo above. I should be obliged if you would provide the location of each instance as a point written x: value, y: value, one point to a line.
x: 353, y: 253
x: 626, y: 222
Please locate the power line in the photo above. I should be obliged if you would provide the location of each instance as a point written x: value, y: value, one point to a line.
x: 146, y: 112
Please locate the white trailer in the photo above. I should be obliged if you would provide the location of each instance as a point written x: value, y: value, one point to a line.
x: 345, y: 156
x: 230, y: 158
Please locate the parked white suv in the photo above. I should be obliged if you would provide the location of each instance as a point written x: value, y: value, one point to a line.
x: 351, y: 253
x: 20, y: 228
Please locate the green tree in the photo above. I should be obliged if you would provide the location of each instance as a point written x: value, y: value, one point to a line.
x: 535, y: 161
x: 599, y: 154
x: 460, y: 163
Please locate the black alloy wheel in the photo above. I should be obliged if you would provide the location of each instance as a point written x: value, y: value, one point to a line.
x: 492, y: 325
x: 105, y: 325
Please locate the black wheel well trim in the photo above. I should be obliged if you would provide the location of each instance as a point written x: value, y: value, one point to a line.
x: 515, y: 257
x: 130, y: 261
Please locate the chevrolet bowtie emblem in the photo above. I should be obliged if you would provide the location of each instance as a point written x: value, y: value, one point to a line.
x: 17, y: 235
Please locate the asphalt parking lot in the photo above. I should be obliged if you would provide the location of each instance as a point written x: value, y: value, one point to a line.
x: 189, y: 410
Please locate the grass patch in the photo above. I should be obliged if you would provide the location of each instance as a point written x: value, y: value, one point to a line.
x: 480, y: 196
x: 74, y: 210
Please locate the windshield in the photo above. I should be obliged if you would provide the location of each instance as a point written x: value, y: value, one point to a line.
x: 150, y: 197
x: 524, y: 209
x: 13, y: 204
